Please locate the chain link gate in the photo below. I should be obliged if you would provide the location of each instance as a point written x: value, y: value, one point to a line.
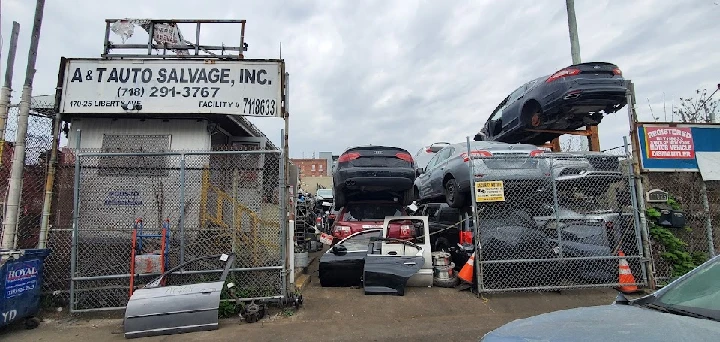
x: 553, y: 222
x: 215, y: 202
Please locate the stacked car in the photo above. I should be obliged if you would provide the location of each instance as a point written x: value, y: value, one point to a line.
x: 371, y: 184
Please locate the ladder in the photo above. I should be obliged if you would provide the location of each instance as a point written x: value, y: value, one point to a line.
x: 154, y: 262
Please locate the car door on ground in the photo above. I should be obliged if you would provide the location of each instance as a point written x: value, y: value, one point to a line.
x: 346, y: 269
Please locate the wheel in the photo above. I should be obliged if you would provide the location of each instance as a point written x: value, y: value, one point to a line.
x: 452, y: 282
x: 339, y: 200
x: 408, y: 196
x: 31, y: 323
x: 453, y: 196
x: 442, y: 245
x: 532, y: 114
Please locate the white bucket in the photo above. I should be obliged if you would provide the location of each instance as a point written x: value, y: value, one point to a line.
x: 444, y: 272
x: 301, y: 260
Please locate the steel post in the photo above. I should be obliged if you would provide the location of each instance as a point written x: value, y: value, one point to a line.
x: 476, y: 221
x: 76, y: 219
x: 636, y: 211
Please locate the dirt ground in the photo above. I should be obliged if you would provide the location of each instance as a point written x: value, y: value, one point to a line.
x: 344, y: 314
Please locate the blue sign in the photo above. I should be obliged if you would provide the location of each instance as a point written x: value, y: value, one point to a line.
x: 673, y: 146
x: 123, y: 198
x: 21, y: 277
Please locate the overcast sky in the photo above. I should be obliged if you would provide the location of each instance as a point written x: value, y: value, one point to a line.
x: 409, y: 73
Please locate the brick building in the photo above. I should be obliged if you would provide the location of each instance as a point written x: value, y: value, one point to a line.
x: 311, y: 167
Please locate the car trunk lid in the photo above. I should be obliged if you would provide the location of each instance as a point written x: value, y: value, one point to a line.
x: 379, y: 156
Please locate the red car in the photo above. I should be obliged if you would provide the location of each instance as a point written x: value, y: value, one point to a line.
x: 361, y: 215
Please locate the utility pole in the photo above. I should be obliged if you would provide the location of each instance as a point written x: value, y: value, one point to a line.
x: 572, y: 26
x: 10, y: 219
x: 593, y: 139
x: 7, y: 86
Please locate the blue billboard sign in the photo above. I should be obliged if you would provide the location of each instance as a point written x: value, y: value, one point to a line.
x: 672, y: 147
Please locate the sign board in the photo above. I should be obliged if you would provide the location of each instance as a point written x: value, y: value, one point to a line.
x: 493, y: 191
x: 669, y: 143
x: 673, y: 147
x: 21, y: 276
x: 657, y: 196
x: 150, y: 86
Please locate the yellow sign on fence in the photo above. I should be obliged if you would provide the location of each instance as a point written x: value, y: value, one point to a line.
x: 492, y: 191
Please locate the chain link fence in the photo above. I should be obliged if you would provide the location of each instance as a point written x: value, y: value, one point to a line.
x: 38, y: 143
x: 556, y: 222
x: 215, y: 202
x: 699, y: 204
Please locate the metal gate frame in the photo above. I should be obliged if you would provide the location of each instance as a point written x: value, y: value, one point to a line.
x: 639, y: 231
x: 282, y: 186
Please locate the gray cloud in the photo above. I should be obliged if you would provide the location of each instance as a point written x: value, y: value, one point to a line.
x: 409, y: 73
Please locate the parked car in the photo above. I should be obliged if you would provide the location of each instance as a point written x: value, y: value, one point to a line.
x: 688, y: 309
x: 447, y: 176
x: 374, y: 171
x: 573, y: 97
x: 324, y: 195
x: 423, y: 156
x: 357, y: 216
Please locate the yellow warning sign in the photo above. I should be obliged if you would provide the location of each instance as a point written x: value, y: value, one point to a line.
x: 493, y: 191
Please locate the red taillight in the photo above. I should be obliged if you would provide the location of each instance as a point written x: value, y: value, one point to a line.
x: 563, y: 73
x: 466, y: 238
x: 617, y: 71
x: 536, y: 153
x: 404, y: 156
x: 476, y: 154
x: 429, y: 150
x: 348, y: 157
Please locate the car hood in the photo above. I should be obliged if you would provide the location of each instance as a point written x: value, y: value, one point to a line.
x: 606, y: 323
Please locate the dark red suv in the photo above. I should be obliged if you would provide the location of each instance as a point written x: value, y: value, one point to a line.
x: 361, y: 215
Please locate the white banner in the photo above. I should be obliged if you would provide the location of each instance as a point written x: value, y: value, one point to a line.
x: 245, y: 87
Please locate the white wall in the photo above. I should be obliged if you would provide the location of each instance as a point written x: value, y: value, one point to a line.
x: 187, y: 134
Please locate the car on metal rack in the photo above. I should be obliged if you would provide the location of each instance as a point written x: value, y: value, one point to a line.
x: 447, y: 176
x: 366, y: 171
x: 576, y: 96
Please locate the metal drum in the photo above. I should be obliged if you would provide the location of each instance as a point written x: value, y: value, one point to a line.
x: 444, y: 272
x: 441, y: 258
x: 301, y: 259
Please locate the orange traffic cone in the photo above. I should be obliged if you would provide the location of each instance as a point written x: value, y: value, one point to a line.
x: 626, y: 276
x: 466, y: 273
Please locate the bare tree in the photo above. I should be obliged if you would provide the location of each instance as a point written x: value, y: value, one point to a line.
x: 700, y: 108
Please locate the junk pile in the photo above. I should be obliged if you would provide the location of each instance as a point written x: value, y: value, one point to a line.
x: 444, y: 270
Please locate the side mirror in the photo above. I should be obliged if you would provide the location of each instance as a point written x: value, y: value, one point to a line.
x: 419, y: 171
x: 339, y: 250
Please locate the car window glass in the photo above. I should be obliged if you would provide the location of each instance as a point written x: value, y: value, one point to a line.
x: 517, y: 92
x: 444, y: 154
x: 360, y: 242
x: 370, y: 212
x: 497, y: 114
x: 432, y: 162
x: 698, y: 293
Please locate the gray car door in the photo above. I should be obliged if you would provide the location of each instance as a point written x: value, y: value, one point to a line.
x: 438, y: 172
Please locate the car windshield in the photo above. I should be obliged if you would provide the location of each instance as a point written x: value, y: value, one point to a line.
x: 698, y: 294
x: 324, y: 193
x: 371, y: 211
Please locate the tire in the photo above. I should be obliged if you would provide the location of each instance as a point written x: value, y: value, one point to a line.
x: 453, y: 196
x: 530, y: 110
x: 408, y: 196
x: 339, y: 200
x: 31, y: 323
x: 452, y: 282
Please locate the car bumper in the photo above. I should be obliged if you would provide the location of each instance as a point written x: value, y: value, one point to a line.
x: 375, y: 179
